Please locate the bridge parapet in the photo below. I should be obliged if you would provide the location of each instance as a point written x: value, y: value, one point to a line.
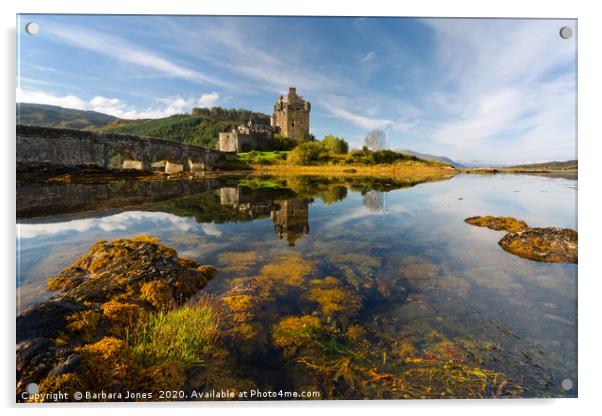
x: 78, y: 148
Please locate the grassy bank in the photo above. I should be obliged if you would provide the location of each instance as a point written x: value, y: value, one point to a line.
x: 372, y: 170
x: 358, y: 162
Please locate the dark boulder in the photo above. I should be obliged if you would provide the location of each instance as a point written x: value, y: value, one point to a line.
x: 35, y: 357
x: 68, y: 365
x: 45, y: 320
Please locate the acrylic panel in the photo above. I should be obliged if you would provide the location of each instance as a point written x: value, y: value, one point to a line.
x: 295, y: 208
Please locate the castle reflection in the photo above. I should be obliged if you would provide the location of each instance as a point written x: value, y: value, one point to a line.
x: 291, y: 221
x: 290, y: 216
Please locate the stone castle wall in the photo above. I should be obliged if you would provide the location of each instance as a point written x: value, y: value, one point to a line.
x: 228, y: 142
x: 234, y: 141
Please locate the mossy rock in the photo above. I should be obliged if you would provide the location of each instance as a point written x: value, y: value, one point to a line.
x: 498, y: 223
x: 125, y: 266
x: 553, y: 245
x: 103, y: 297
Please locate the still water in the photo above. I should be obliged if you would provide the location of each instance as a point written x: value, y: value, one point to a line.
x: 421, y: 272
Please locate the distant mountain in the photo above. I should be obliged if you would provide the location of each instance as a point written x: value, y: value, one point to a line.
x: 200, y: 127
x: 54, y: 116
x: 475, y: 164
x: 436, y: 158
x: 568, y: 165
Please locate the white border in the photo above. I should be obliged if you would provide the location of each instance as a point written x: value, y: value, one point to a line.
x: 590, y: 154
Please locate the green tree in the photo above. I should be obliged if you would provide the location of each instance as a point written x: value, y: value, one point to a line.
x: 279, y: 142
x: 335, y: 144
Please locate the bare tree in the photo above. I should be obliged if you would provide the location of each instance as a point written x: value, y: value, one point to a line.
x: 376, y: 140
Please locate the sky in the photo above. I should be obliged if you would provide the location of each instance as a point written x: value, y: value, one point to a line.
x: 489, y: 90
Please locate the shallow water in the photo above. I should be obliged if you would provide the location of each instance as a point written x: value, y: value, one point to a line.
x: 422, y: 272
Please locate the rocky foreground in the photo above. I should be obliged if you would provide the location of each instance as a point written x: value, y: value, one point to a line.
x: 76, y: 340
x: 550, y: 244
x: 130, y: 320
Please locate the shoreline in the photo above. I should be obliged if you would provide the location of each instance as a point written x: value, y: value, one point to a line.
x: 560, y: 173
x: 91, y: 175
x: 357, y: 170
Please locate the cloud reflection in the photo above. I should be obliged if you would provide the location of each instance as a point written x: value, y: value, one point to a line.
x: 119, y: 222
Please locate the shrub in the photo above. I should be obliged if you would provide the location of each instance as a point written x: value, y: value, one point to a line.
x: 305, y: 153
x: 335, y: 144
x: 367, y: 157
x: 279, y: 142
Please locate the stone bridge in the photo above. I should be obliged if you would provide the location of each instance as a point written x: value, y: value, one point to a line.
x: 78, y: 148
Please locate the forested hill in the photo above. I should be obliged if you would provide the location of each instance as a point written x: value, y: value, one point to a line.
x: 200, y: 127
x: 66, y: 118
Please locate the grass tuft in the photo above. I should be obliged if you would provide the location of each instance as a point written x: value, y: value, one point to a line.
x: 186, y: 335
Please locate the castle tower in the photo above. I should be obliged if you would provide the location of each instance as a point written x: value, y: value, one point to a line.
x: 291, y: 115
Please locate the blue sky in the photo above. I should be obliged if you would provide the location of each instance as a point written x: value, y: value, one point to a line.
x: 494, y: 90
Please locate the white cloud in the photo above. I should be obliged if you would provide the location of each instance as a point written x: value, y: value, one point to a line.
x: 487, y: 116
x: 338, y: 107
x: 41, y: 97
x: 358, y: 119
x: 503, y: 84
x: 211, y: 230
x: 369, y: 56
x: 104, y: 102
x: 208, y: 100
x: 116, y: 107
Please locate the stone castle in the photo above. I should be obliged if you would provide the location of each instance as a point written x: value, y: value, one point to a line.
x: 290, y: 118
x: 291, y: 115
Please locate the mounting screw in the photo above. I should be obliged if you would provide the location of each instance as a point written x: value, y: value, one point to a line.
x: 32, y: 28
x: 566, y: 32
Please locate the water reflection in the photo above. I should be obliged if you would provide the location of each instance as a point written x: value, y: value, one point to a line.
x: 423, y: 275
x: 290, y: 216
x: 375, y: 201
